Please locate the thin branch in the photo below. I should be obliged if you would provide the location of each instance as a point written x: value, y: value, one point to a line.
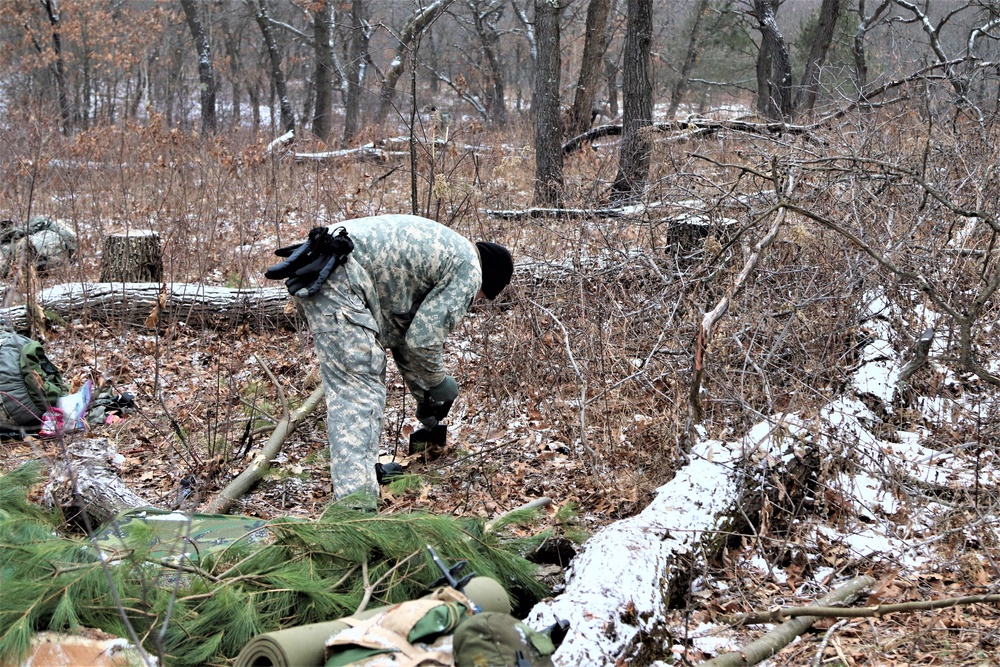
x: 784, y: 634
x: 262, y: 462
x: 579, y: 375
x: 878, y: 611
x: 370, y: 587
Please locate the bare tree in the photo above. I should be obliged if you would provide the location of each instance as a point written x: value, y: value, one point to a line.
x: 355, y: 69
x: 637, y: 97
x: 485, y: 19
x: 408, y: 38
x: 206, y: 72
x: 323, y: 49
x: 548, y: 138
x: 858, y: 46
x: 594, y: 46
x: 774, y: 65
x: 822, y: 37
x: 260, y: 14
x: 59, y: 65
x: 690, y: 58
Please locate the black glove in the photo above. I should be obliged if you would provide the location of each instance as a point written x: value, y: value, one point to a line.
x: 437, y: 402
x: 309, y: 264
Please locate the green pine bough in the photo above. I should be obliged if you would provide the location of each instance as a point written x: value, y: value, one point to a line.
x: 202, y: 608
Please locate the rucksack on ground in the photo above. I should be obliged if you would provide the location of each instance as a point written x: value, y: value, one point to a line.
x: 29, y: 382
x: 495, y: 639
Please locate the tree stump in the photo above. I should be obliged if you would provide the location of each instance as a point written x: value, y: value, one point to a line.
x: 132, y: 257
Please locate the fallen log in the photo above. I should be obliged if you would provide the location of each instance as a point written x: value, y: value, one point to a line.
x: 628, y: 574
x: 702, y: 125
x: 192, y: 304
x: 83, y: 482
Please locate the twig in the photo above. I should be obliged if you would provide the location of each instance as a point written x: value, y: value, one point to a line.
x: 277, y: 385
x: 818, y: 660
x: 370, y: 588
x: 579, y: 375
x: 777, y: 639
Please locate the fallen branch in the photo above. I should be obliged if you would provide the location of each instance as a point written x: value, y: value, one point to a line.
x: 561, y: 213
x: 702, y: 125
x: 776, y: 615
x: 777, y: 639
x: 711, y: 318
x: 262, y: 462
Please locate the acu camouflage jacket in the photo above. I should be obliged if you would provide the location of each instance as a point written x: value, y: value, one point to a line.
x: 418, y: 279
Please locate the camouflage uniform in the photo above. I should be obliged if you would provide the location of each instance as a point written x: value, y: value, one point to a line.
x: 405, y: 287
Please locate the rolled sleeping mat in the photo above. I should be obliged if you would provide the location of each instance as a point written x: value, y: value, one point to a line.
x: 303, y: 646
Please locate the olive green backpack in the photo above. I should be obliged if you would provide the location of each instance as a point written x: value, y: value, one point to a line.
x: 495, y: 639
x: 29, y: 382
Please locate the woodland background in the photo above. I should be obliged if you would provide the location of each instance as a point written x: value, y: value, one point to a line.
x: 702, y: 198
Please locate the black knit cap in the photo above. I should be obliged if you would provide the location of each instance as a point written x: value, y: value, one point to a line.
x: 498, y: 267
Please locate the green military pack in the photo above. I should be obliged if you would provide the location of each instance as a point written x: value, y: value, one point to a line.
x: 29, y: 382
x: 495, y: 639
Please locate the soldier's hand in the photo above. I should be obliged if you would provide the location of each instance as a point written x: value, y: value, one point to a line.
x: 437, y: 402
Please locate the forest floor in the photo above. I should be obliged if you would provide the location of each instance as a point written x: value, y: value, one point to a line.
x: 487, y: 469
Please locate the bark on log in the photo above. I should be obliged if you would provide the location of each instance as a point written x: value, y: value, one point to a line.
x: 132, y: 257
x: 192, y: 304
x: 781, y: 636
x: 84, y: 480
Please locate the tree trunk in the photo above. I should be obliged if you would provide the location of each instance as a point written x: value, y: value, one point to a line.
x: 637, y: 95
x: 206, y: 73
x: 355, y: 69
x: 645, y: 564
x: 277, y: 74
x: 548, y: 138
x: 322, y: 29
x: 408, y: 38
x: 774, y: 68
x: 495, y: 98
x: 132, y: 303
x: 132, y: 257
x: 829, y: 14
x: 59, y: 67
x: 694, y: 46
x: 595, y: 42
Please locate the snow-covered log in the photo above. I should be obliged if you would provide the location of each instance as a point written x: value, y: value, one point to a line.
x: 133, y: 303
x: 619, y: 588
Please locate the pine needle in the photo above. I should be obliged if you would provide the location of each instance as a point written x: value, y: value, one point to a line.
x: 311, y: 571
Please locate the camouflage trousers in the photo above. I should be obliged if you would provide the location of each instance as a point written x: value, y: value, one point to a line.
x: 352, y: 365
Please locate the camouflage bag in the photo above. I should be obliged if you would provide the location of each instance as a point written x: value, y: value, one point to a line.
x: 494, y: 639
x: 417, y: 632
x: 29, y: 382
